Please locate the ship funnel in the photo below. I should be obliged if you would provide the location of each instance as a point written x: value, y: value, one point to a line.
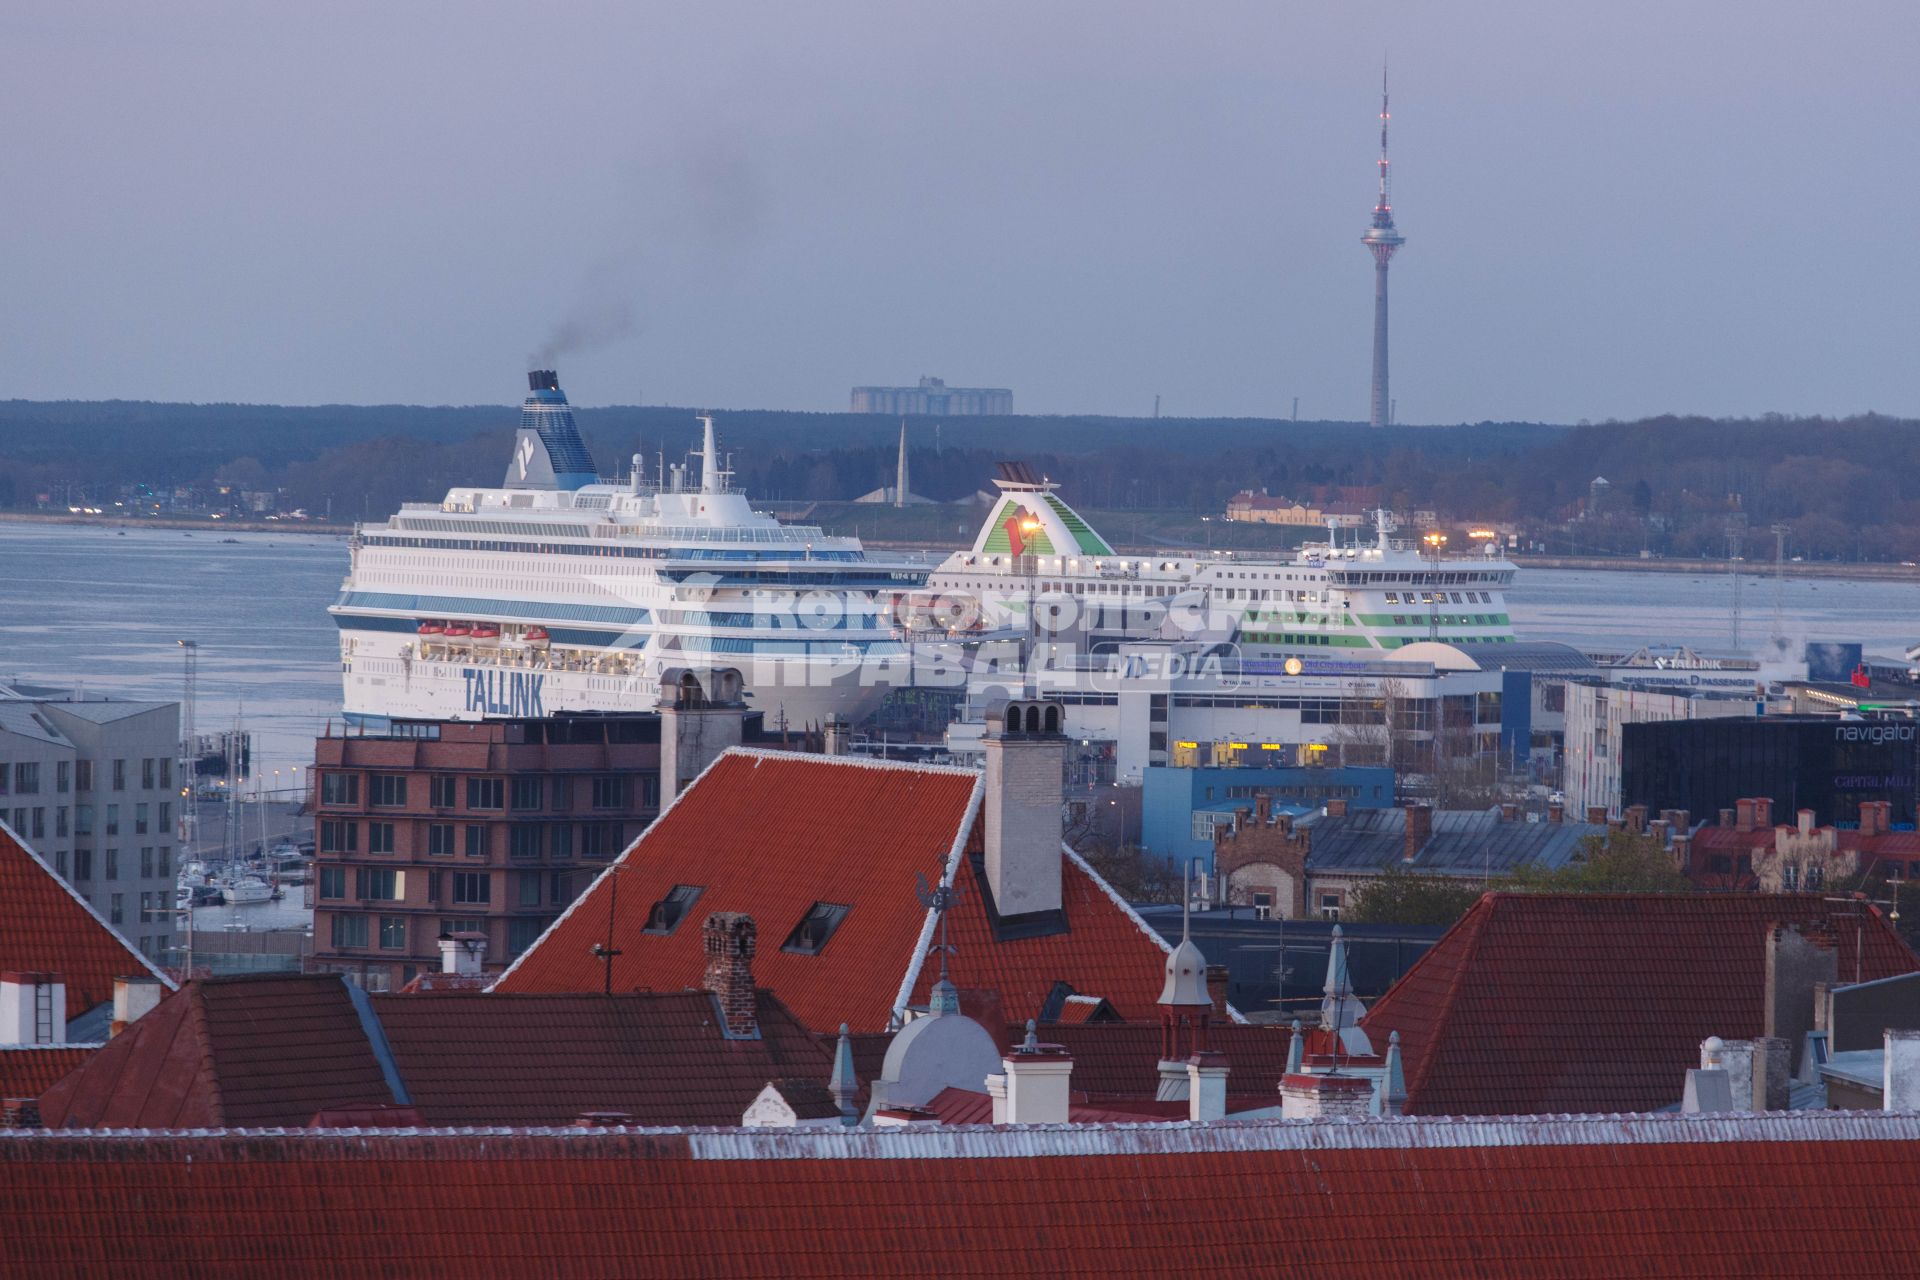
x: 543, y: 380
x: 548, y: 452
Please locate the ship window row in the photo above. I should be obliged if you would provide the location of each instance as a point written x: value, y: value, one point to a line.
x: 590, y: 548
x: 1426, y: 597
x: 458, y: 606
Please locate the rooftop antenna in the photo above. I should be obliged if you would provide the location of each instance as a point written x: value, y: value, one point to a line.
x: 606, y: 951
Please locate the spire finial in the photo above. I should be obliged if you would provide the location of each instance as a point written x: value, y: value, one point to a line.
x: 841, y: 1085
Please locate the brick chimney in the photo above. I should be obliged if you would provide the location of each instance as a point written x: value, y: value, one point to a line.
x: 1743, y: 815
x: 133, y: 998
x: 728, y: 938
x: 1323, y: 1097
x: 1596, y: 815
x: 1026, y: 757
x: 1763, y: 812
x: 1337, y: 808
x: 1419, y: 831
x: 33, y: 1008
x: 1217, y: 989
x: 1263, y: 808
x: 1556, y: 812
x: 1636, y: 818
x: 1509, y: 812
x: 1726, y: 817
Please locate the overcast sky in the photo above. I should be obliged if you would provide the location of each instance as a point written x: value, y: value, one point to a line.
x: 1611, y: 209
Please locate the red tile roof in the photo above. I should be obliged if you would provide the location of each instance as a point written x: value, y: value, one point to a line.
x: 267, y: 1050
x: 1113, y: 1061
x: 1546, y: 1003
x: 279, y: 1050
x: 27, y: 1071
x: 659, y: 1057
x: 770, y: 834
x: 1667, y: 1196
x: 45, y: 927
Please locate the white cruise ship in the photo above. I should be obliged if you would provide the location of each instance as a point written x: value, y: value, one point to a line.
x: 560, y: 592
x: 1036, y: 563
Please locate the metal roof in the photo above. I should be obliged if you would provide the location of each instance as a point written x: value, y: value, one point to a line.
x: 1528, y: 655
x: 1464, y: 842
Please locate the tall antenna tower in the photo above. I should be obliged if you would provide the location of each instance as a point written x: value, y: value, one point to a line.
x: 1382, y: 241
x: 189, y: 749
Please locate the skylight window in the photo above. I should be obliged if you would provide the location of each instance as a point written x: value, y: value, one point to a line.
x: 667, y: 913
x: 813, y: 931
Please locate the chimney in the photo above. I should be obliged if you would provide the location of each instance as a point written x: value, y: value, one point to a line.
x: 1743, y: 811
x: 1419, y: 831
x: 1207, y: 1087
x: 1217, y: 989
x: 463, y: 953
x: 1556, y: 812
x: 701, y: 715
x: 33, y: 1008
x: 1726, y: 818
x: 1900, y: 1072
x: 1683, y: 852
x: 1661, y: 830
x: 1735, y: 1058
x: 1636, y: 818
x: 1026, y: 755
x: 1708, y: 1089
x: 1596, y: 815
x: 1763, y: 813
x: 1869, y: 816
x: 1796, y: 965
x: 728, y: 938
x: 20, y: 1113
x: 1319, y: 1097
x: 1772, y: 1074
x: 1263, y: 808
x: 1035, y: 1086
x: 834, y: 737
x: 1509, y: 812
x: 133, y: 998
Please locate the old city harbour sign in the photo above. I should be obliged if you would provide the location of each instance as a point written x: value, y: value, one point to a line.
x: 505, y: 693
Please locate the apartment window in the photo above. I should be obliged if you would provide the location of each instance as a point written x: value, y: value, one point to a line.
x: 39, y: 821
x: 115, y: 912
x: 1262, y: 906
x: 60, y: 821
x: 339, y: 837
x: 83, y: 864
x: 559, y: 888
x: 388, y: 790
x: 147, y: 773
x: 146, y: 908
x: 649, y: 791
x: 339, y: 788
x: 440, y: 839
x: 560, y: 793
x: 485, y: 793
x: 119, y: 775
x: 382, y: 884
x: 529, y: 888
x: 442, y: 791
x: 349, y: 931
x: 113, y: 864
x: 141, y: 813
x: 379, y: 837
x: 523, y: 932
x: 560, y: 841
x: 113, y: 819
x: 1790, y: 877
x: 523, y: 840
x: 166, y: 862
x: 476, y: 841
x: 667, y: 913
x: 393, y: 933
x: 63, y: 776
x: 815, y: 928
x: 146, y: 862
x: 333, y: 882
x: 599, y: 839
x: 472, y: 886
x: 166, y: 816
x: 83, y: 775
x: 1329, y: 906
x: 60, y: 862
x: 526, y: 793
x: 26, y: 778
x: 613, y: 791
x: 166, y: 773
x: 462, y: 924
x: 6, y: 780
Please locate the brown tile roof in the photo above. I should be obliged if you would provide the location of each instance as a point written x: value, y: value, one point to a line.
x: 1553, y: 1003
x: 770, y: 834
x: 45, y: 927
x: 1672, y: 1196
x: 27, y: 1071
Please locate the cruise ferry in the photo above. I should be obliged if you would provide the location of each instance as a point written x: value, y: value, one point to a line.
x: 1037, y: 564
x: 561, y: 591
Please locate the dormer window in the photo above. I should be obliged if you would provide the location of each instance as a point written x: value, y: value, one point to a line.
x: 667, y: 913
x: 813, y: 931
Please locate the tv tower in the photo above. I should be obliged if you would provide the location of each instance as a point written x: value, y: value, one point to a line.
x: 1381, y: 241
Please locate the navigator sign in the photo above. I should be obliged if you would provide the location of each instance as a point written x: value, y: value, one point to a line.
x: 505, y: 693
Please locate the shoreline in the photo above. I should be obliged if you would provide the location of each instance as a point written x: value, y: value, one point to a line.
x: 1866, y: 571
x: 304, y: 527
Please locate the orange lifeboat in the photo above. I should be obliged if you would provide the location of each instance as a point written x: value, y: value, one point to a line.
x: 431, y: 628
x: 536, y: 635
x: 459, y: 629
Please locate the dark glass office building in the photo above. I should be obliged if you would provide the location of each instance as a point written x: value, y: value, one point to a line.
x: 1799, y: 762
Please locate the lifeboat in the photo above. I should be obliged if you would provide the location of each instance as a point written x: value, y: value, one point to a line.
x: 536, y: 635
x: 433, y: 628
x: 459, y: 629
x: 485, y: 631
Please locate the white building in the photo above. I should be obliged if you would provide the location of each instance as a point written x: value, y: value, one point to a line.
x: 89, y: 783
x: 1595, y: 713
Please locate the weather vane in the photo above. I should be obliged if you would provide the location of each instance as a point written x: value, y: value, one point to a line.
x: 939, y: 900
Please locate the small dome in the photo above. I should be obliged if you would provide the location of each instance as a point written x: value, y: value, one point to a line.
x: 1186, y: 977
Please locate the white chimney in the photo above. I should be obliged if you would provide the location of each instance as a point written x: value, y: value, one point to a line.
x: 1322, y: 1097
x: 1207, y: 1086
x: 1036, y: 1083
x: 835, y: 735
x: 1708, y: 1089
x: 133, y: 999
x: 1900, y: 1079
x: 33, y: 1008
x: 701, y: 715
x: 1735, y: 1057
x: 463, y: 953
x: 1026, y: 756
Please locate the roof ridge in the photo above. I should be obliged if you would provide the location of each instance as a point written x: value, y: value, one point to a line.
x: 862, y: 762
x: 1473, y: 922
x: 955, y: 854
x: 88, y: 907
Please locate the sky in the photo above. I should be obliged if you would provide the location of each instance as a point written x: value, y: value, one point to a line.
x: 1611, y: 210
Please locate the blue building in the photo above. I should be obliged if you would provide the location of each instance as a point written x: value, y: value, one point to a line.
x: 1179, y: 808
